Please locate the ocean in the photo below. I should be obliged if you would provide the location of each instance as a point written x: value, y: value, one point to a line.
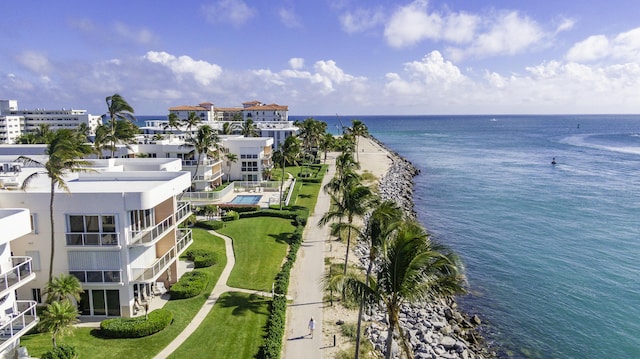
x: 551, y: 252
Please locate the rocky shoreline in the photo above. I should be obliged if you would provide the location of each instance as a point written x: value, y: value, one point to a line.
x: 437, y: 329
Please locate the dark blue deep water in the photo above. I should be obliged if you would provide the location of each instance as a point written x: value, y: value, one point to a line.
x: 552, y: 253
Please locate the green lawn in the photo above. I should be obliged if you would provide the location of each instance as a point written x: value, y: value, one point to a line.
x: 233, y: 329
x: 90, y: 346
x: 260, y: 245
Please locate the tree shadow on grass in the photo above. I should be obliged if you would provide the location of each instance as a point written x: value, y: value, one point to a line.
x: 242, y: 303
x: 282, y: 237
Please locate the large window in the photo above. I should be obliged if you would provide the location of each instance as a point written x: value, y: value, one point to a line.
x: 141, y: 219
x: 92, y: 230
x: 100, y: 302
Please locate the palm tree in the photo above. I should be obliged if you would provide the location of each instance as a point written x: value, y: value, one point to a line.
x: 412, y: 268
x: 63, y: 287
x: 65, y: 152
x: 116, y: 132
x: 383, y: 220
x: 42, y: 134
x: 231, y: 158
x: 118, y: 110
x: 173, y: 122
x: 204, y: 143
x: 327, y: 142
x: 192, y: 121
x: 58, y: 319
x: 352, y: 201
x: 249, y: 128
x: 358, y: 129
x: 228, y: 128
x: 287, y: 153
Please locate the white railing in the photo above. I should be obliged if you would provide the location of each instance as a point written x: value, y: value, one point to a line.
x: 204, y: 161
x: 150, y: 234
x: 184, y: 239
x: 183, y: 211
x: 17, y: 323
x: 159, y: 266
x: 20, y: 272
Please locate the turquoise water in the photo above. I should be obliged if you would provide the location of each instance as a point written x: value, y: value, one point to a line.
x: 551, y: 252
x: 246, y: 199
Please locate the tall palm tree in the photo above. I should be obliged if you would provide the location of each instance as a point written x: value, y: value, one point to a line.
x: 412, y: 268
x: 228, y: 128
x: 327, y: 142
x: 191, y: 122
x: 118, y: 110
x: 58, y: 319
x: 288, y: 153
x: 63, y: 287
x: 382, y: 221
x: 173, y: 121
x: 204, y: 143
x: 230, y: 158
x: 352, y: 201
x: 358, y: 129
x: 249, y: 128
x: 113, y: 133
x: 65, y: 151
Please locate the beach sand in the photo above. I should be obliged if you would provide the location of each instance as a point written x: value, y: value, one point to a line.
x: 376, y: 161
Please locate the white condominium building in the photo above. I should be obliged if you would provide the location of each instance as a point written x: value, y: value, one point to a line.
x: 117, y: 231
x: 15, y: 122
x: 17, y: 317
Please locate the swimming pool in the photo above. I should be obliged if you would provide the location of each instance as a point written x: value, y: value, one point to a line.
x: 246, y: 199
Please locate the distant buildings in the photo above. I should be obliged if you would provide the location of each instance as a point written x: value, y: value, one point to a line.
x: 15, y: 122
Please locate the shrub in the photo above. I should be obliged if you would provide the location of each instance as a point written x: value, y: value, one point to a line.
x: 275, y: 328
x: 210, y: 225
x: 190, y: 284
x: 61, y: 352
x: 201, y: 257
x: 231, y: 216
x: 136, y: 327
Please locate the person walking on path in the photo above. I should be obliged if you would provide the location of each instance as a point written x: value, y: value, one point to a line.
x: 312, y: 326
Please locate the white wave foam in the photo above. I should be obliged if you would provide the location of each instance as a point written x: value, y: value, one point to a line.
x: 583, y: 141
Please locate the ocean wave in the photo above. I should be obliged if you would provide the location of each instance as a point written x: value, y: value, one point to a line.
x: 589, y: 141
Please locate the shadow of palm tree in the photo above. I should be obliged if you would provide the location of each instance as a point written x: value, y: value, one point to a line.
x: 243, y: 302
x: 282, y: 237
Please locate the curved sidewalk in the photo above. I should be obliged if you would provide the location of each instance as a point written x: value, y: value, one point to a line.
x: 220, y: 288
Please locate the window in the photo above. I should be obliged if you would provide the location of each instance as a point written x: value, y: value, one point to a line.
x: 36, y: 294
x: 91, y: 230
x: 34, y: 223
x: 100, y: 302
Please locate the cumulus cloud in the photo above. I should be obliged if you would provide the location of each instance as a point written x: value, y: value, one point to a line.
x: 624, y: 46
x: 202, y: 72
x: 296, y: 63
x: 235, y: 12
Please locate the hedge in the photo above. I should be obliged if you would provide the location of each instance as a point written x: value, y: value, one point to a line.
x: 190, y: 284
x: 201, y: 257
x: 136, y: 327
x: 275, y: 329
x: 210, y: 225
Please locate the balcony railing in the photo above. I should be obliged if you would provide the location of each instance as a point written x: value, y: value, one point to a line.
x: 21, y: 272
x: 183, y: 211
x: 150, y: 234
x: 93, y: 238
x: 97, y: 276
x: 204, y: 161
x: 161, y: 264
x: 14, y: 324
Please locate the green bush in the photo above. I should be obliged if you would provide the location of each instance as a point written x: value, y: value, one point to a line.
x: 136, y: 327
x: 231, y: 216
x: 210, y: 225
x: 275, y: 328
x: 201, y: 257
x: 190, y: 284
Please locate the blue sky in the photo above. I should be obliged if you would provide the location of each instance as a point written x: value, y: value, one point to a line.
x: 325, y: 56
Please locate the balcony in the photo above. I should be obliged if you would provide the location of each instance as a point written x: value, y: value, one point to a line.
x: 202, y: 162
x: 161, y: 264
x: 149, y: 235
x: 93, y: 239
x: 15, y: 277
x: 16, y: 323
x: 183, y: 211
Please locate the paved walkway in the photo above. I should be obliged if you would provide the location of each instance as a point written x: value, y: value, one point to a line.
x: 220, y: 288
x: 305, y: 286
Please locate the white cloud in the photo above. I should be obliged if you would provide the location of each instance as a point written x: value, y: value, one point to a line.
x: 361, y: 19
x: 412, y: 24
x: 235, y: 12
x: 289, y: 18
x: 201, y: 71
x: 34, y: 61
x: 624, y: 46
x: 141, y: 36
x: 296, y: 63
